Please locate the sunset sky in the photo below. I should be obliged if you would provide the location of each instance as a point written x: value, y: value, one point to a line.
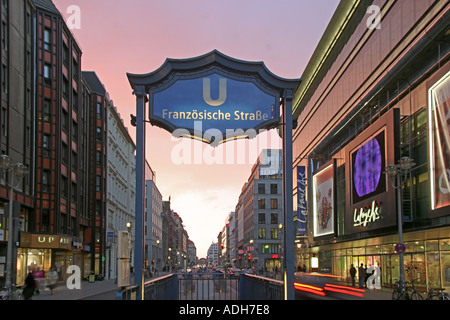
x: 136, y: 36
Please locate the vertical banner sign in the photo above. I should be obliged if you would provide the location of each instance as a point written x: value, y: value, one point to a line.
x: 439, y: 119
x: 301, y: 201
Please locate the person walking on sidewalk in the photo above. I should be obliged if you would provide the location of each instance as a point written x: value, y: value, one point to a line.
x: 28, y: 291
x: 52, y: 277
x: 353, y: 274
x: 39, y: 278
x: 361, y: 275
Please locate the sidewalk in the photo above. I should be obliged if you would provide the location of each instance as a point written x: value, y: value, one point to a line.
x: 88, y: 289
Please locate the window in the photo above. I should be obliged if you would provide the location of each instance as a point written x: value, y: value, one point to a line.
x: 74, y: 192
x: 46, y: 145
x: 98, y: 183
x: 99, y: 134
x: 274, y: 233
x: 64, y: 187
x: 261, y: 233
x: 261, y: 203
x: 4, y: 78
x: 46, y: 110
x: 261, y: 218
x: 65, y: 88
x: 270, y: 248
x: 99, y: 110
x: 45, y: 220
x: 4, y: 120
x: 47, y: 74
x: 273, y: 204
x: 45, y: 181
x: 65, y: 121
x: 261, y: 188
x: 98, y: 157
x: 274, y: 218
x: 47, y: 39
x: 4, y: 35
x: 273, y: 189
x: 65, y: 153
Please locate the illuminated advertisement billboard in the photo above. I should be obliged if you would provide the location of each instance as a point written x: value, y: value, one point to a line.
x: 368, y: 192
x: 439, y: 145
x: 324, y: 206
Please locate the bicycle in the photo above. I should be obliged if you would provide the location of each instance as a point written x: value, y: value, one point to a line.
x: 437, y: 294
x: 11, y: 293
x: 401, y: 292
x: 414, y: 294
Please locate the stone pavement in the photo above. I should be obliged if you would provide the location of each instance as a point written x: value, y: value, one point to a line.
x: 87, y: 290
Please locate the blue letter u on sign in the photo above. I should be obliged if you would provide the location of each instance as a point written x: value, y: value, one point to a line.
x: 222, y: 92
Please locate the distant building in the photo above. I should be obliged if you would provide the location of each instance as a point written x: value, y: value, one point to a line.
x: 260, y: 215
x: 121, y: 187
x: 213, y: 256
x: 153, y: 225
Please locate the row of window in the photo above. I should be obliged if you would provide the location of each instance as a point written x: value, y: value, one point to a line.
x: 262, y: 203
x: 262, y: 218
x: 274, y: 232
x: 262, y: 188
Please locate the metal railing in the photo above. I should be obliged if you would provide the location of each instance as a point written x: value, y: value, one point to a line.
x: 207, y: 286
x: 261, y: 288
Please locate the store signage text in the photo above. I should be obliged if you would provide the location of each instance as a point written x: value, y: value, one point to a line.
x: 45, y: 241
x: 51, y: 240
x: 369, y: 214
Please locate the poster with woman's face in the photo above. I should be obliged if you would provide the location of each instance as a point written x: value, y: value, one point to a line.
x: 323, y: 194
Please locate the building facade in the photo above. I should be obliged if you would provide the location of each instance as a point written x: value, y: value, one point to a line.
x: 376, y: 92
x: 55, y: 233
x: 121, y: 178
x: 17, y: 126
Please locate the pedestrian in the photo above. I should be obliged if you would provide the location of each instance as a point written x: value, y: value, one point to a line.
x: 52, y: 277
x: 353, y: 274
x: 361, y: 275
x: 367, y: 276
x: 39, y: 279
x: 28, y: 291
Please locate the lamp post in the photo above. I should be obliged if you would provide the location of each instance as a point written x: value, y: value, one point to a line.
x: 398, y: 174
x: 15, y: 170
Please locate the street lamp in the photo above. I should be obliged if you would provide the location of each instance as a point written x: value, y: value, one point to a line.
x: 398, y: 174
x: 18, y: 171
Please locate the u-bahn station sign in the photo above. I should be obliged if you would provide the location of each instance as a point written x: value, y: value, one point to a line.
x: 213, y: 98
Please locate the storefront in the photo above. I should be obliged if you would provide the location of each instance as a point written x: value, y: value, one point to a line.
x: 426, y: 259
x: 46, y: 251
